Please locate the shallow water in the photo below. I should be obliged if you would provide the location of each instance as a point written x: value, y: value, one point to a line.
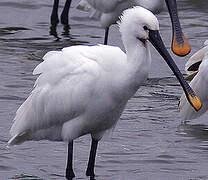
x: 149, y: 142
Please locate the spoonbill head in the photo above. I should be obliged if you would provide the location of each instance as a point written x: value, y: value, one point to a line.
x: 84, y: 89
x: 197, y: 70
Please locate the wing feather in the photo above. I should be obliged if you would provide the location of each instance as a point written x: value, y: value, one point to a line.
x: 63, y: 89
x: 58, y: 92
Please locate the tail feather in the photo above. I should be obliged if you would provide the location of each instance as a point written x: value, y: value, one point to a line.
x: 21, y: 121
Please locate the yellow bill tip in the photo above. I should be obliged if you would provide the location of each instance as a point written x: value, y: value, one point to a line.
x: 195, y: 101
x: 181, y: 49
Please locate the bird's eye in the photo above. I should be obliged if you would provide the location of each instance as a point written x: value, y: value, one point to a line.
x: 145, y: 28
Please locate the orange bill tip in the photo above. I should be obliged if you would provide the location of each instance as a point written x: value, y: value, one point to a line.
x: 195, y: 101
x: 181, y: 49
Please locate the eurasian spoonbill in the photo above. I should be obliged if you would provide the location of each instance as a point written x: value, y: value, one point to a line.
x: 197, y: 70
x: 84, y: 89
x: 111, y: 10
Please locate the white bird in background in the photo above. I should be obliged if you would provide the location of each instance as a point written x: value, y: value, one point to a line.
x: 197, y: 70
x: 111, y: 10
x: 110, y: 6
x: 84, y: 89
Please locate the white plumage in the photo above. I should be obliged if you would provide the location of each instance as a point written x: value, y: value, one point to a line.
x: 197, y: 70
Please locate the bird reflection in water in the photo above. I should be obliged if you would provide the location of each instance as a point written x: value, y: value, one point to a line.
x: 65, y: 33
x: 198, y: 131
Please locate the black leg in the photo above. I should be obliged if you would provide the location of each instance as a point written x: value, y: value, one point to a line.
x: 54, y: 33
x: 66, y: 30
x: 69, y: 170
x: 91, y: 162
x: 65, y: 13
x: 106, y: 36
x: 54, y: 14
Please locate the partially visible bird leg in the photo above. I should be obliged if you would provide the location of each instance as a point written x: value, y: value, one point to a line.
x: 91, y: 163
x: 69, y: 169
x: 65, y: 13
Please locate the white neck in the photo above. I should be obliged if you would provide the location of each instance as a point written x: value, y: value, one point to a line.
x: 138, y: 59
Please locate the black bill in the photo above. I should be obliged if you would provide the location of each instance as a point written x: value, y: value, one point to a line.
x: 155, y: 39
x: 180, y: 45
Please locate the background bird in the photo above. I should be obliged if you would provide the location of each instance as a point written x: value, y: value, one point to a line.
x: 111, y: 10
x: 84, y: 89
x: 197, y: 70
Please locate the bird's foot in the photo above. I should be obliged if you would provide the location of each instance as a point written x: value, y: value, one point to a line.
x: 70, y: 174
x: 90, y: 173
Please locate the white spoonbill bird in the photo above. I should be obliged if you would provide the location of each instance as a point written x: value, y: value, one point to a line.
x: 197, y: 70
x: 111, y: 10
x: 84, y: 89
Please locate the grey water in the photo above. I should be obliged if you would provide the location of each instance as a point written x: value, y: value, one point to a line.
x: 149, y: 142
